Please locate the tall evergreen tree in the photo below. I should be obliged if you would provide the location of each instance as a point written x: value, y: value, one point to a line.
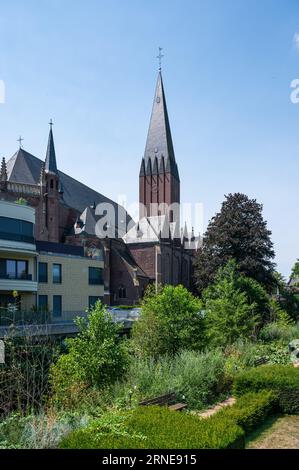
x: 237, y: 232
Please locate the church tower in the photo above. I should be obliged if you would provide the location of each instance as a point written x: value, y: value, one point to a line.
x: 51, y: 195
x: 159, y: 182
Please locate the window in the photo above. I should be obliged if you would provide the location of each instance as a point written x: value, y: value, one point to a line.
x: 57, y: 305
x: 42, y: 272
x: 52, y: 184
x: 17, y: 230
x: 95, y: 276
x: 122, y: 293
x: 43, y: 302
x: 14, y: 269
x: 56, y: 271
x: 92, y: 300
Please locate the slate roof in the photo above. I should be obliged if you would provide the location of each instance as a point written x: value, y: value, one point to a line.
x: 50, y: 163
x: 159, y: 141
x: 124, y: 253
x: 23, y: 167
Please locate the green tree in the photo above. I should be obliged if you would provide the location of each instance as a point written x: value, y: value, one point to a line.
x: 170, y: 320
x: 229, y: 314
x: 295, y: 272
x: 95, y: 358
x: 237, y: 232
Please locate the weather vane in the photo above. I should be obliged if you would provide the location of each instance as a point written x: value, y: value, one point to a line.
x: 159, y: 56
x: 20, y: 141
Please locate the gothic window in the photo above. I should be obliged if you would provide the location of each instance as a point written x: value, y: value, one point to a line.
x: 122, y: 292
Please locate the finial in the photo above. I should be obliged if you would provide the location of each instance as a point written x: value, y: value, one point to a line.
x: 159, y: 57
x: 51, y: 123
x: 20, y: 141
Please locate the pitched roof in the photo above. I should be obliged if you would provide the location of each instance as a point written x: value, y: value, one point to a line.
x: 124, y: 253
x: 159, y: 140
x: 50, y: 163
x: 24, y: 167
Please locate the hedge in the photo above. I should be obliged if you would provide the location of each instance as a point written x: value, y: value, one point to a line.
x: 283, y: 379
x: 158, y: 428
x: 251, y: 410
x: 155, y: 427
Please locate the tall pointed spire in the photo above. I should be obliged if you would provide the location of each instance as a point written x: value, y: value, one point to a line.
x: 159, y: 140
x: 50, y: 163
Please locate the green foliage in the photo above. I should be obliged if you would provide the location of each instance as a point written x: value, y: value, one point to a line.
x: 38, y: 431
x: 242, y: 355
x: 170, y: 320
x: 295, y: 271
x: 237, y: 232
x: 277, y: 332
x: 21, y: 201
x: 197, y: 379
x: 158, y: 428
x: 24, y: 376
x: 250, y: 410
x: 282, y: 379
x: 95, y: 358
x: 229, y: 314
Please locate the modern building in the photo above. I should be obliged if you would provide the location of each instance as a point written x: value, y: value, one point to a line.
x: 61, y: 279
x: 18, y: 256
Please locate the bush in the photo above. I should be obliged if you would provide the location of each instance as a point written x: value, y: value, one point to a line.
x: 196, y: 378
x: 97, y: 357
x: 230, y: 313
x: 242, y: 355
x: 38, y: 431
x: 24, y: 376
x: 157, y: 428
x: 170, y: 320
x: 250, y: 410
x: 275, y: 331
x: 283, y: 379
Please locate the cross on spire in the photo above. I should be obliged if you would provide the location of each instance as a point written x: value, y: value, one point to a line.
x: 20, y: 141
x: 159, y: 57
x: 51, y: 123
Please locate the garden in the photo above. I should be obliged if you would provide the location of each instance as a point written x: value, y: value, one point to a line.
x: 229, y: 338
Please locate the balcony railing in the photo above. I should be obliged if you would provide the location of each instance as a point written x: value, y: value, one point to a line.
x: 16, y: 237
x: 21, y: 277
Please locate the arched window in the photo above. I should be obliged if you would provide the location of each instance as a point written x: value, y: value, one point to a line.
x: 52, y: 183
x: 122, y: 292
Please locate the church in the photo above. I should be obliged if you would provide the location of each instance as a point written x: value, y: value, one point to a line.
x: 154, y: 249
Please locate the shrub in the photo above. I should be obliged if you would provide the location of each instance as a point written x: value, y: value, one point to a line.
x: 24, y: 376
x: 242, y: 355
x: 283, y: 379
x: 275, y: 331
x: 95, y: 358
x: 198, y: 378
x: 170, y: 320
x: 250, y: 410
x: 38, y: 431
x: 157, y: 428
x: 229, y: 313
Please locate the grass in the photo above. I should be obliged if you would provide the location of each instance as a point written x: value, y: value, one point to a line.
x: 278, y: 432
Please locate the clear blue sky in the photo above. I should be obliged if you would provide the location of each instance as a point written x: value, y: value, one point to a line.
x: 228, y: 65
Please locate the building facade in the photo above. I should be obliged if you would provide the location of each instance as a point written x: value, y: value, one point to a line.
x: 66, y: 237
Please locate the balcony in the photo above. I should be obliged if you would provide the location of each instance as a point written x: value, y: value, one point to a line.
x: 22, y: 283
